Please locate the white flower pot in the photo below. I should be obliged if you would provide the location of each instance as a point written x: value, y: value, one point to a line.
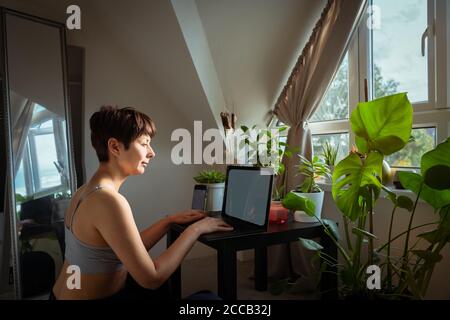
x: 215, y: 196
x: 317, y: 198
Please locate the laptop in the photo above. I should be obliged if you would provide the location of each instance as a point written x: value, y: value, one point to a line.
x: 246, y: 202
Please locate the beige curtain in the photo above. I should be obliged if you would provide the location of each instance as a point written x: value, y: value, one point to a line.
x: 308, y: 82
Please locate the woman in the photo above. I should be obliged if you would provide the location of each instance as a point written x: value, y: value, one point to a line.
x: 102, y: 239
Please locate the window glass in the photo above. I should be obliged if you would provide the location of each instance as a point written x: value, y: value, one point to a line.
x: 410, y: 155
x: 398, y: 65
x: 334, y: 105
x: 20, y: 181
x: 48, y: 173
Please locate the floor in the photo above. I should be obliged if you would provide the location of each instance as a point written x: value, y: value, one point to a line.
x: 201, y: 274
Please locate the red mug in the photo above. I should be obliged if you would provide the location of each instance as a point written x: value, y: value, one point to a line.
x: 278, y: 214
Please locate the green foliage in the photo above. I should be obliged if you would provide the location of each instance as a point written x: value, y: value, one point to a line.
x: 329, y: 153
x: 295, y: 202
x: 311, y: 170
x: 310, y: 244
x: 423, y: 140
x: 435, y: 166
x: 210, y: 176
x: 414, y: 182
x: 264, y: 148
x: 351, y: 178
x: 383, y: 125
x: 20, y: 198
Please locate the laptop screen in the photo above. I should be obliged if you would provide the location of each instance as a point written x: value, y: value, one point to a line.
x: 248, y: 194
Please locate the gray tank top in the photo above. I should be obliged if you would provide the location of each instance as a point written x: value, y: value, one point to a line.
x: 90, y: 259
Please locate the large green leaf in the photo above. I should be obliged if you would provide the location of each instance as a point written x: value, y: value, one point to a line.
x: 350, y: 177
x: 435, y: 166
x: 295, y: 202
x: 436, y: 198
x: 383, y: 124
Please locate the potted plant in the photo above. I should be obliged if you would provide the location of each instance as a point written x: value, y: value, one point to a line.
x: 215, y: 183
x: 263, y: 149
x: 382, y: 127
x: 311, y: 170
x: 329, y: 155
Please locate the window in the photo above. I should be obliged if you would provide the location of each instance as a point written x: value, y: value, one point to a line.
x: 38, y: 172
x: 329, y: 123
x: 406, y: 52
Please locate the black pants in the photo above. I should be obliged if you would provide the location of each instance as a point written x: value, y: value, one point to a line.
x: 133, y: 291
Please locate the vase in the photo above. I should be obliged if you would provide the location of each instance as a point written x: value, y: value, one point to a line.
x: 215, y: 196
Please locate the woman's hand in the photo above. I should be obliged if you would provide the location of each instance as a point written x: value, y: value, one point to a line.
x: 186, y: 216
x: 209, y: 225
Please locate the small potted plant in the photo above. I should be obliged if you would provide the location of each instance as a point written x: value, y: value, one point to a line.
x: 329, y: 155
x: 311, y: 170
x: 263, y: 148
x: 215, y: 183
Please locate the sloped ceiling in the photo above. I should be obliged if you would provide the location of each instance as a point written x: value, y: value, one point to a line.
x: 207, y: 56
x: 253, y: 45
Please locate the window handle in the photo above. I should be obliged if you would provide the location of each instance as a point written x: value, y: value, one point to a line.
x: 424, y: 35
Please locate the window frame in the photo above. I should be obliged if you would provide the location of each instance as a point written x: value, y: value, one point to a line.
x: 435, y: 112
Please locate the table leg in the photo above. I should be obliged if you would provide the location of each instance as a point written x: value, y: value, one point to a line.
x: 226, y: 273
x: 329, y: 280
x: 175, y: 278
x: 261, y: 268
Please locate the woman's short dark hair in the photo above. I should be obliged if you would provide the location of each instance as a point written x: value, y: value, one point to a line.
x: 124, y: 124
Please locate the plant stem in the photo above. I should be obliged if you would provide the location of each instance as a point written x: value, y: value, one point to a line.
x: 389, y: 271
x: 347, y: 235
x: 399, y: 235
x: 359, y: 239
x: 338, y: 245
x: 370, y: 248
x: 405, y: 250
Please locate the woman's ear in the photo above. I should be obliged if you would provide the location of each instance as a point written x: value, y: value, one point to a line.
x: 114, y: 147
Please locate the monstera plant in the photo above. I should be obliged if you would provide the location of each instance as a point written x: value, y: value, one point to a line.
x: 382, y: 127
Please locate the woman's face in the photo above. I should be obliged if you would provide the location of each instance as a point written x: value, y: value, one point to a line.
x: 137, y: 157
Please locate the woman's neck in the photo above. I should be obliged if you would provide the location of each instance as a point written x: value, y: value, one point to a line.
x: 108, y: 175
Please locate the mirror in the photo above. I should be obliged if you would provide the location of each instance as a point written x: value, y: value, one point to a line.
x: 40, y: 175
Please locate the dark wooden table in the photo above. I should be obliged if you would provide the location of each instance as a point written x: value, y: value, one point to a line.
x: 227, y: 244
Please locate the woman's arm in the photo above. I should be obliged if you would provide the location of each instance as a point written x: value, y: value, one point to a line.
x: 116, y: 225
x: 155, y: 232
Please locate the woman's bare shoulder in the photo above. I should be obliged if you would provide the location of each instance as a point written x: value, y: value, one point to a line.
x: 108, y: 200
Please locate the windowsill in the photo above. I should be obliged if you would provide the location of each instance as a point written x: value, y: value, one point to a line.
x: 399, y: 192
